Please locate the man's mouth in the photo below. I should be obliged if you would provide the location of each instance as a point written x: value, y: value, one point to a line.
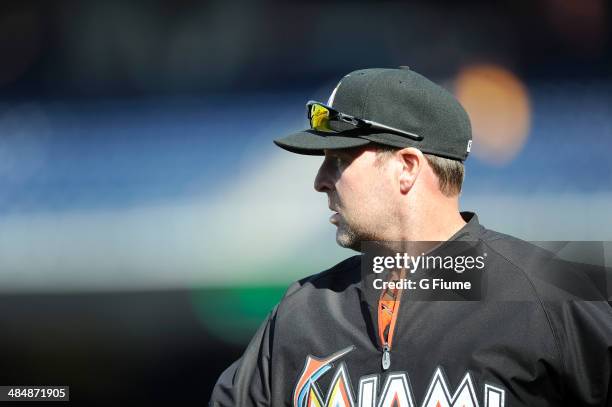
x: 335, y: 217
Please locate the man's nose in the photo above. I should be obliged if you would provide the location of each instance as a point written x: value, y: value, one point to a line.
x: 323, y: 181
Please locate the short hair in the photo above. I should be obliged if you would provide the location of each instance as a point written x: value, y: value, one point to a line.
x: 450, y: 172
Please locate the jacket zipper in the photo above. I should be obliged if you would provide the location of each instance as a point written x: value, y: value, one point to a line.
x: 387, y: 332
x: 386, y: 357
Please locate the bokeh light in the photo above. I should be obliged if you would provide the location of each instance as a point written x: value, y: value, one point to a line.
x: 498, y: 105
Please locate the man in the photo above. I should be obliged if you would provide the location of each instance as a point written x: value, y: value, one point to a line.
x: 394, y: 145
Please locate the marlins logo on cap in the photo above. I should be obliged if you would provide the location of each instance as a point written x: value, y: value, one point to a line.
x: 330, y: 101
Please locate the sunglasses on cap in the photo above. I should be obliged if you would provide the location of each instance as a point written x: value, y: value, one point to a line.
x: 326, y: 119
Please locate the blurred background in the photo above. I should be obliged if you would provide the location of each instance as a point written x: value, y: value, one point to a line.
x: 147, y: 222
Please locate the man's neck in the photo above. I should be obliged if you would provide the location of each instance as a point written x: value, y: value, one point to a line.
x: 432, y: 224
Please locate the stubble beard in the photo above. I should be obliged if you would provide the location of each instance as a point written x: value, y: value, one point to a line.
x: 351, y: 237
x: 347, y: 238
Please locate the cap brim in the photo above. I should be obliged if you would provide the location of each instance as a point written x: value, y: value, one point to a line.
x: 311, y: 142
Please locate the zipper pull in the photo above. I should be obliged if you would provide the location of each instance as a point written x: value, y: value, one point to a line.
x: 386, y: 357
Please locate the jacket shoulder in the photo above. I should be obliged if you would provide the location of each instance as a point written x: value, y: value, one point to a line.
x: 553, y: 275
x: 340, y: 273
x: 514, y: 250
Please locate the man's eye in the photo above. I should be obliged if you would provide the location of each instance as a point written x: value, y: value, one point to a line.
x: 341, y: 161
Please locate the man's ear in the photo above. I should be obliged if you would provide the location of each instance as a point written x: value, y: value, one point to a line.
x: 412, y: 161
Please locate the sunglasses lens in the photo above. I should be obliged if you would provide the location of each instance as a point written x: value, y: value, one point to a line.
x: 320, y: 118
x: 325, y: 119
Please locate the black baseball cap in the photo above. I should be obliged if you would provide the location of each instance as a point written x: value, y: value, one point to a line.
x: 398, y: 98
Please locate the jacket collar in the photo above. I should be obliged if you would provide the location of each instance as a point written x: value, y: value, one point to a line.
x: 470, y: 232
x: 472, y: 229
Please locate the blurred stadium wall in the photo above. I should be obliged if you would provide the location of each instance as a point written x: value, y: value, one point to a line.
x: 140, y: 192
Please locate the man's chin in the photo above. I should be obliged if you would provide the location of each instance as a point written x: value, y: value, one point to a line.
x: 348, y: 240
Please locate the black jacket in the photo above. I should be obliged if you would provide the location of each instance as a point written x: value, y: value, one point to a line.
x: 526, y: 343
